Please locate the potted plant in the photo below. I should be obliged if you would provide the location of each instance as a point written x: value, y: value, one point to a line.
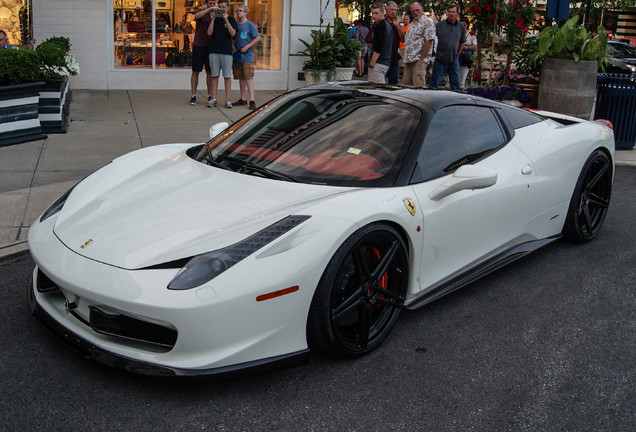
x: 347, y: 50
x: 524, y: 73
x: 57, y: 64
x: 20, y: 93
x: 515, y: 78
x: 511, y: 95
x: 322, y: 51
x: 34, y: 88
x: 570, y: 57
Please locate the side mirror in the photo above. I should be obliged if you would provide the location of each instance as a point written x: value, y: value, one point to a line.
x: 466, y: 177
x: 218, y: 128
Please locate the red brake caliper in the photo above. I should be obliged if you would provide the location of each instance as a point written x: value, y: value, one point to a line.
x: 383, y: 280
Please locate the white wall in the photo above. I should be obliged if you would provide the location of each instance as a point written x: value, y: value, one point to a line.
x: 87, y: 23
x: 84, y: 23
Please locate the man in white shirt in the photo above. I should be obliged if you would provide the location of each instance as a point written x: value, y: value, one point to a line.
x: 418, y: 47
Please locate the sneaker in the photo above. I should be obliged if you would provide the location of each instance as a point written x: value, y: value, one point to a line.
x: 193, y: 100
x: 209, y: 98
x: 240, y: 102
x: 228, y: 104
x: 252, y: 105
x: 211, y: 102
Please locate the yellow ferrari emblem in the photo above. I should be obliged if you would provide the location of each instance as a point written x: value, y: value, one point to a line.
x: 410, y: 206
x: 86, y: 243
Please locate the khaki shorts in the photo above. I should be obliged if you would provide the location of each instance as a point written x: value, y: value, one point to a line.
x: 243, y: 71
x: 415, y: 73
x: 377, y: 74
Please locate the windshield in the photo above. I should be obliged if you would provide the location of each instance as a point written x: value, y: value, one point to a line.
x: 341, y: 138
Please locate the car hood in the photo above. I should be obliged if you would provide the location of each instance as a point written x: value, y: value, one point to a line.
x: 157, y: 205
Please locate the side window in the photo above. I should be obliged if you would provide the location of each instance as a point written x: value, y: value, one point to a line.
x: 457, y: 135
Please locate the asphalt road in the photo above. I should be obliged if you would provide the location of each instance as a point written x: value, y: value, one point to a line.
x: 545, y: 344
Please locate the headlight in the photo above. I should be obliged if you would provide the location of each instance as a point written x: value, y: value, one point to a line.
x: 56, y: 206
x: 205, y: 267
x: 632, y: 68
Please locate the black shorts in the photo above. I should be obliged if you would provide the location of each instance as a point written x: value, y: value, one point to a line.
x: 200, y: 58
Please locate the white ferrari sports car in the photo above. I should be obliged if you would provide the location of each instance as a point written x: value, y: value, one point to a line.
x: 309, y: 223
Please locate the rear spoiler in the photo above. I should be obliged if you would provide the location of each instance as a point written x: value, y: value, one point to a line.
x: 566, y: 119
x: 560, y: 118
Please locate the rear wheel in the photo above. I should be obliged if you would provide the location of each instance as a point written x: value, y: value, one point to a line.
x: 361, y: 293
x: 591, y: 198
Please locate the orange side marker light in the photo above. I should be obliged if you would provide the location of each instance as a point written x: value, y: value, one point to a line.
x: 275, y: 294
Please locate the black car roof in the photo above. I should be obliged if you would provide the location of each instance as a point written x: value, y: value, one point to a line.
x: 433, y: 99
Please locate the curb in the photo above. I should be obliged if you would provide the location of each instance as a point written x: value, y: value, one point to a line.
x: 14, y: 252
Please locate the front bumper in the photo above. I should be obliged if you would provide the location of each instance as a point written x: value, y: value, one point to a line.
x: 218, y: 329
x: 89, y: 350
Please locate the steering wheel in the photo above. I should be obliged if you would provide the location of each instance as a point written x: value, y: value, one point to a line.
x: 386, y: 159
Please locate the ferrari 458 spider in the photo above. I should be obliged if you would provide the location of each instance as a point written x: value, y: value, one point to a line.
x: 309, y: 223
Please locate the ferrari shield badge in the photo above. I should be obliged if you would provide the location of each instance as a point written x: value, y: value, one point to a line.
x: 410, y: 206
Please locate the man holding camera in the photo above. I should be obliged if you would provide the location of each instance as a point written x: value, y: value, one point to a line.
x: 200, y: 46
x: 221, y: 30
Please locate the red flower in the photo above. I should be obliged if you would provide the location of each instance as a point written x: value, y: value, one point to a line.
x: 502, y: 22
x: 487, y: 6
x: 472, y: 33
x: 475, y: 75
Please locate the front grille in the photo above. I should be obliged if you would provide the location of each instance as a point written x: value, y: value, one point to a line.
x: 133, y: 329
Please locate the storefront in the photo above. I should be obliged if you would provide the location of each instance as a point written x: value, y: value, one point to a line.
x: 144, y: 44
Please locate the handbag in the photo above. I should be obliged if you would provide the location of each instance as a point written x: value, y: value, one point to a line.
x: 466, y: 58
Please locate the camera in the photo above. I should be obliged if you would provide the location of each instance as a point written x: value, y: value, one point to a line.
x: 219, y: 13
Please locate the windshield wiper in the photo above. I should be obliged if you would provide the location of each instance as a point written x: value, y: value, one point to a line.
x: 214, y: 163
x: 206, y: 157
x: 247, y: 166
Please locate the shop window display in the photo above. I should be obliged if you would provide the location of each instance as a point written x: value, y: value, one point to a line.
x: 170, y: 34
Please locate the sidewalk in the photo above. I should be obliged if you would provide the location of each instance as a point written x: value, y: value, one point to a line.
x: 104, y: 125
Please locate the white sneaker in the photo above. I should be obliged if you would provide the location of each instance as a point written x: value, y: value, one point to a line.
x: 228, y: 103
x: 211, y: 102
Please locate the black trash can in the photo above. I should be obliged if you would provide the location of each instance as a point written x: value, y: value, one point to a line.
x: 616, y: 102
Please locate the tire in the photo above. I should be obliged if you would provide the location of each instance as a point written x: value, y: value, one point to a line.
x: 590, y: 200
x: 360, y: 295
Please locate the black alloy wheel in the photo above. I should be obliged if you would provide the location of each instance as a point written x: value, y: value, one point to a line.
x: 361, y: 293
x: 591, y: 199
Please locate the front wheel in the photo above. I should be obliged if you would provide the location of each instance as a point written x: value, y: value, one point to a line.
x: 361, y: 293
x: 590, y: 200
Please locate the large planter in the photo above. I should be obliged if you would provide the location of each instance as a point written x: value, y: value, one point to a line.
x: 54, y: 105
x: 19, y: 120
x: 344, y: 73
x: 568, y: 87
x: 533, y: 92
x: 320, y: 76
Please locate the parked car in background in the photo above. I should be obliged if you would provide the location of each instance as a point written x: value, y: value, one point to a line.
x: 623, y: 58
x: 630, y: 41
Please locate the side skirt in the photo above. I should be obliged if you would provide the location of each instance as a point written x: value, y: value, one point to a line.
x: 480, y: 271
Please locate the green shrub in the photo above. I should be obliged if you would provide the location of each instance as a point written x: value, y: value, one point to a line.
x: 52, y: 53
x: 18, y: 66
x: 51, y: 59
